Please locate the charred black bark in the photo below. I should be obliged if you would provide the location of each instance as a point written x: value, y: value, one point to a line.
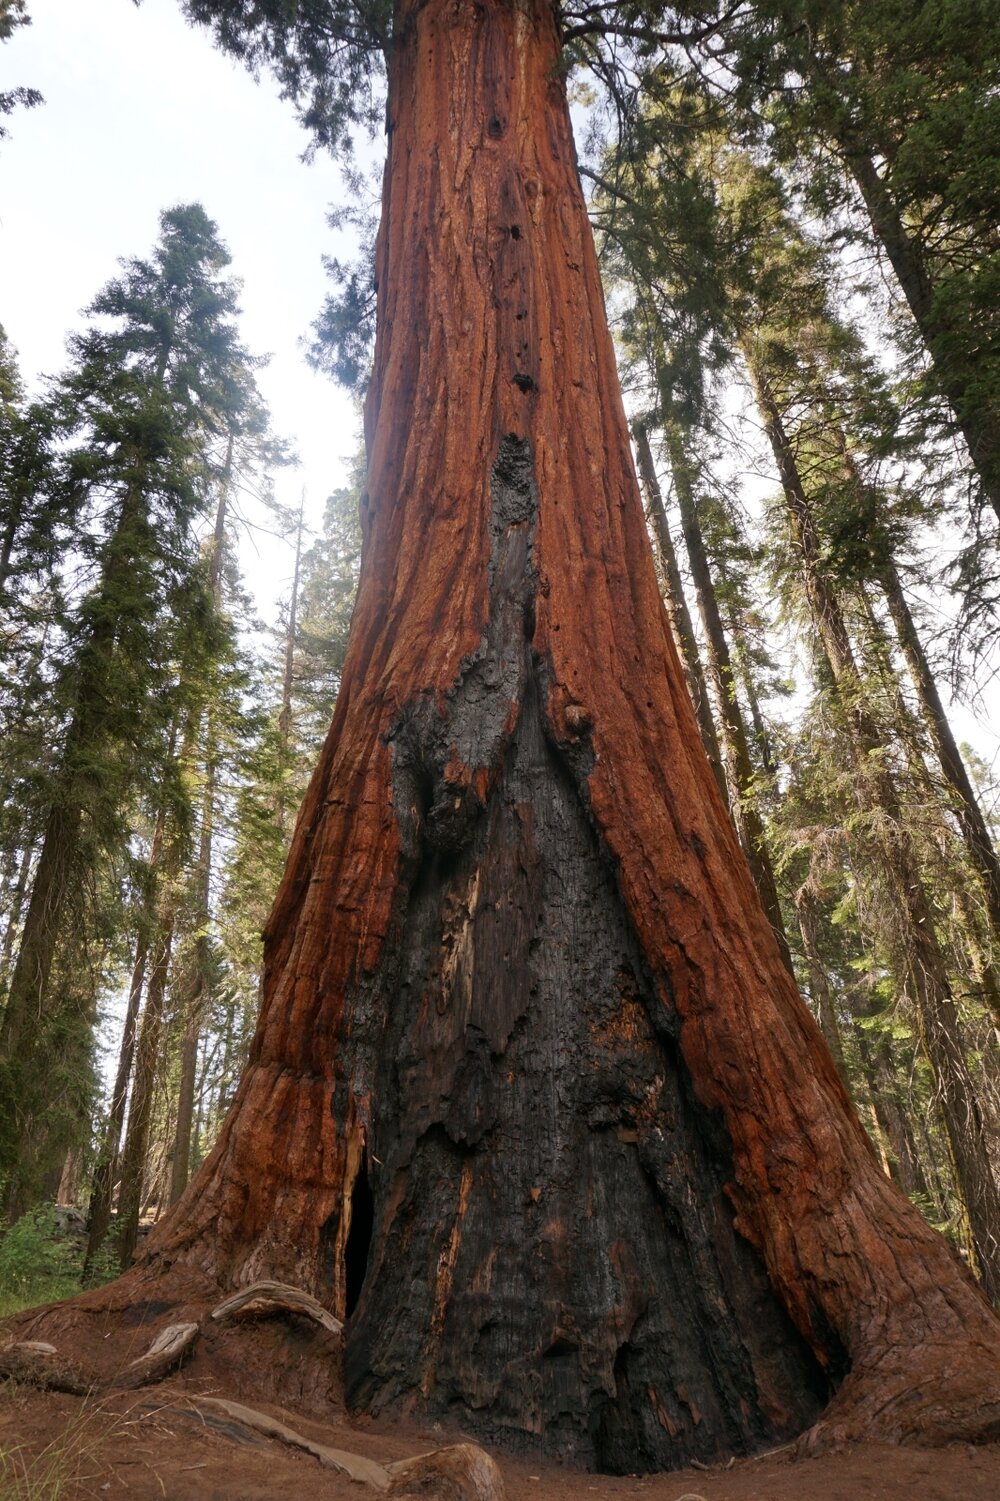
x: 553, y: 1256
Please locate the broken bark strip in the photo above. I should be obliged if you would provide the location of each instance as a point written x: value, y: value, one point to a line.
x: 163, y: 1356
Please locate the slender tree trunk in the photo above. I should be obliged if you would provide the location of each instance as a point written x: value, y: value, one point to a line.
x: 930, y: 988
x: 134, y: 1153
x: 978, y: 842
x: 892, y: 1114
x: 99, y: 1217
x: 980, y: 969
x: 9, y: 536
x: 745, y: 671
x: 532, y: 1097
x: 819, y: 983
x: 14, y: 908
x: 288, y: 677
x: 739, y: 768
x: 27, y: 1016
x: 940, y: 334
x: 677, y: 609
x: 194, y: 1000
x: 68, y: 1191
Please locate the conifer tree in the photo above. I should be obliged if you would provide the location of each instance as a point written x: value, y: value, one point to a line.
x: 155, y: 382
x: 899, y: 100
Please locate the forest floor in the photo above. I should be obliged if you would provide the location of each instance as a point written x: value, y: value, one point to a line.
x: 153, y: 1445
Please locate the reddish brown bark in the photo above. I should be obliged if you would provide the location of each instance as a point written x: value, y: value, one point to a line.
x: 532, y: 1092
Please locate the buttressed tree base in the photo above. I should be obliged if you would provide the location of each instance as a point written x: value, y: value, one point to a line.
x: 533, y: 1101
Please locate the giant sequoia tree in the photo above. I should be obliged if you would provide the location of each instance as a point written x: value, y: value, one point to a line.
x: 532, y: 1099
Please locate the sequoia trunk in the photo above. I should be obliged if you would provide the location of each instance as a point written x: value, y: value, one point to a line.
x: 532, y: 1098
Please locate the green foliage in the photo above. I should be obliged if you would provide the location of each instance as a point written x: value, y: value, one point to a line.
x: 14, y: 13
x: 328, y: 56
x: 892, y: 111
x: 38, y: 1264
x: 158, y: 408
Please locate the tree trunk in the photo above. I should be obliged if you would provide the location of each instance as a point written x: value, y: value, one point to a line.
x: 677, y: 609
x: 134, y: 1153
x: 928, y: 980
x: 195, y: 998
x: 941, y: 335
x: 99, y: 1217
x: 532, y: 1096
x: 892, y: 1114
x: 15, y: 902
x: 978, y: 842
x: 818, y: 982
x: 24, y: 1057
x: 739, y: 768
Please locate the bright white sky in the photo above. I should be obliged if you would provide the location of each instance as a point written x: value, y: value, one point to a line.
x: 141, y: 113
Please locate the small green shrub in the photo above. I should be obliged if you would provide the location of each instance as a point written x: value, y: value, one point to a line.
x: 37, y: 1265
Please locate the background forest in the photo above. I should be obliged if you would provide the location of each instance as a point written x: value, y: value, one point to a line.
x: 797, y: 206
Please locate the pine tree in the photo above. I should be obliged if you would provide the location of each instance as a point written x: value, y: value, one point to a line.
x: 899, y: 100
x: 155, y: 382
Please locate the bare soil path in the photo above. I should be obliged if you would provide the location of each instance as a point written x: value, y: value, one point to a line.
x: 153, y: 1445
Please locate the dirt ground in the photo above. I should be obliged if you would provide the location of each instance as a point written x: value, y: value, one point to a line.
x: 153, y: 1445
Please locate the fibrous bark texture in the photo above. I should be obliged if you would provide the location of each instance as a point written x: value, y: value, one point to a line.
x: 533, y: 1100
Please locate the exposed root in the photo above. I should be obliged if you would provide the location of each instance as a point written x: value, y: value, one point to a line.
x: 353, y: 1465
x: 40, y: 1365
x: 948, y: 1392
x: 265, y: 1298
x: 165, y: 1353
x: 462, y: 1472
